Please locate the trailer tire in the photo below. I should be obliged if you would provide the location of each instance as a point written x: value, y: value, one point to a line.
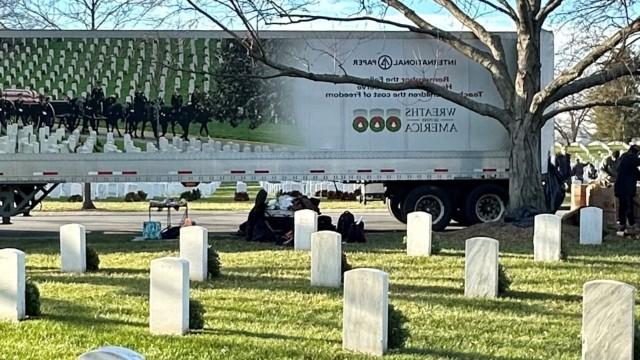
x: 486, y: 203
x: 433, y: 200
x: 395, y: 206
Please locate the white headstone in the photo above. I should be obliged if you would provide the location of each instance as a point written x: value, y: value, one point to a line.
x: 366, y: 310
x: 419, y: 234
x: 73, y: 248
x: 305, y: 224
x: 326, y: 259
x: 591, y: 226
x: 111, y: 353
x: 169, y: 296
x: 481, y: 267
x: 241, y: 187
x: 547, y: 237
x: 608, y: 320
x: 193, y: 248
x: 12, y: 285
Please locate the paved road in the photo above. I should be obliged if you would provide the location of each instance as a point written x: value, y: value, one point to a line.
x: 131, y: 222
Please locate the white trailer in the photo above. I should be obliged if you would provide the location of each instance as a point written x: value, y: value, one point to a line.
x: 429, y: 154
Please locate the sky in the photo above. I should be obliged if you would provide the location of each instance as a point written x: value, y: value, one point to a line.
x: 430, y: 11
x: 492, y: 21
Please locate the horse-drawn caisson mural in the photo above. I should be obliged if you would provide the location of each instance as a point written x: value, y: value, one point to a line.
x: 168, y: 86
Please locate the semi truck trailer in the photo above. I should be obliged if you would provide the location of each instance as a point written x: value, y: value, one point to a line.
x: 426, y: 153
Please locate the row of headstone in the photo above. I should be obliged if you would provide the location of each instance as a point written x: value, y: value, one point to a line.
x: 547, y: 238
x: 19, y: 140
x: 607, y: 318
x: 365, y: 290
x: 169, y: 292
x: 608, y: 325
x: 45, y: 142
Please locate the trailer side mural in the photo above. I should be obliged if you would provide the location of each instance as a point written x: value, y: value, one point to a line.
x: 429, y: 154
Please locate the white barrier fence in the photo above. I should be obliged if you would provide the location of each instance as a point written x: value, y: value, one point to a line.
x: 102, y: 191
x: 308, y: 188
x: 119, y: 190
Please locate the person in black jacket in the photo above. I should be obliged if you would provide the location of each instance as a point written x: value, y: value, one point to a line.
x: 610, y: 165
x: 625, y: 188
x: 563, y: 166
x: 257, y: 227
x: 578, y: 170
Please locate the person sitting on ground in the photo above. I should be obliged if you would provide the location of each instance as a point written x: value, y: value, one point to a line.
x: 257, y: 228
x: 625, y: 188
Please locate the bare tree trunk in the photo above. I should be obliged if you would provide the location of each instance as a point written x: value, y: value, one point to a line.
x: 87, y: 203
x: 525, y: 180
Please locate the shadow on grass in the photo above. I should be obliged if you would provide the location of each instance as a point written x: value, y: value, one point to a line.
x: 531, y: 295
x: 231, y: 280
x: 127, y: 285
x: 600, y: 262
x: 112, y: 271
x: 244, y: 333
x: 65, y: 311
x: 453, y: 297
x: 403, y: 289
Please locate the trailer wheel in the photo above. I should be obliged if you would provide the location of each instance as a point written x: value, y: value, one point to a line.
x: 433, y: 200
x: 394, y: 205
x: 486, y: 203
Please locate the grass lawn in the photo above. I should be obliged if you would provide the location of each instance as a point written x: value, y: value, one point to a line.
x: 263, y: 307
x: 268, y: 133
x: 221, y: 200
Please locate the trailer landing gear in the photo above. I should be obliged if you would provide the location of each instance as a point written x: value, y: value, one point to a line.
x: 18, y: 199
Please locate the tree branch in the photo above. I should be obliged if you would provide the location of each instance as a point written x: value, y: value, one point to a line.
x: 505, y: 8
x: 414, y: 84
x: 624, y: 101
x: 493, y: 43
x: 495, y: 64
x: 569, y: 75
x: 599, y: 78
x: 550, y: 7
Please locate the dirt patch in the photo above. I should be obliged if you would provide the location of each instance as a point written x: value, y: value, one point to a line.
x: 503, y: 232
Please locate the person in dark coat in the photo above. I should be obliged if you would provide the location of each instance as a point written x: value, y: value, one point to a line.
x: 578, y: 170
x: 21, y: 111
x: 563, y: 167
x: 625, y: 187
x: 257, y: 227
x: 610, y: 165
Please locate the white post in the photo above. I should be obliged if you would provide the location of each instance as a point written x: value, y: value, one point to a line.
x: 326, y: 259
x: 547, y: 237
x: 419, y: 234
x: 608, y: 325
x: 366, y: 311
x: 12, y: 285
x: 481, y: 267
x: 73, y: 248
x: 305, y: 224
x: 193, y: 248
x: 590, y: 226
x: 111, y: 353
x: 169, y: 296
